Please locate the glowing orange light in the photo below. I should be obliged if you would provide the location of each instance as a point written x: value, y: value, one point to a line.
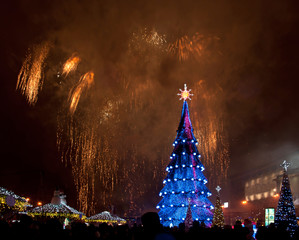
x: 222, y: 206
x: 244, y: 202
x: 30, y: 78
x: 85, y: 82
x: 276, y: 195
x: 28, y: 199
x: 185, y: 94
x: 70, y: 65
x: 39, y: 203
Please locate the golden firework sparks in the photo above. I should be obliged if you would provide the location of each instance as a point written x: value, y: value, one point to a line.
x: 70, y: 65
x: 145, y: 38
x: 91, y: 156
x: 88, y: 79
x: 74, y: 99
x: 30, y: 78
x: 187, y: 47
x: 90, y: 141
x: 210, y: 132
x: 84, y: 83
x: 154, y: 38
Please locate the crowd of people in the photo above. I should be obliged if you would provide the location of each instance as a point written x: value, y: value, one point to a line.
x: 150, y: 229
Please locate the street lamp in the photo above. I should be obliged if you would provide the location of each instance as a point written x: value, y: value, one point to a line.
x: 41, y: 205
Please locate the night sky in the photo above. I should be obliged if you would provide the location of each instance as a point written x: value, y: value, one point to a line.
x: 254, y: 63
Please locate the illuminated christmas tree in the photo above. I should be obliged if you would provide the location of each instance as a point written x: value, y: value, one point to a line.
x: 185, y: 182
x: 188, y: 219
x: 218, y: 219
x: 285, y: 215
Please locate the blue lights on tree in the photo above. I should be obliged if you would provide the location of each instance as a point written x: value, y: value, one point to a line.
x: 285, y: 215
x: 184, y: 185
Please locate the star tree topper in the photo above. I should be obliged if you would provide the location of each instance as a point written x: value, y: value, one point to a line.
x: 185, y: 94
x: 218, y: 189
x: 285, y: 165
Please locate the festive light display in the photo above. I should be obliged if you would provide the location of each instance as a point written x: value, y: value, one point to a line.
x: 185, y: 182
x: 9, y: 201
x: 188, y: 220
x: 56, y: 210
x: 218, y: 219
x: 92, y: 120
x: 185, y: 94
x: 105, y: 217
x: 285, y: 215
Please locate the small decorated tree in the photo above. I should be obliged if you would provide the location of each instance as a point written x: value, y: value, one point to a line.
x: 218, y: 219
x: 285, y: 215
x: 188, y: 219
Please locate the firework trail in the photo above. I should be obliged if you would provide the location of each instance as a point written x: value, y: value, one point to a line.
x: 185, y: 47
x: 84, y: 170
x: 210, y: 132
x: 104, y: 141
x: 151, y: 37
x: 109, y: 110
x: 84, y: 144
x: 136, y: 95
x: 190, y: 47
x: 84, y: 165
x: 70, y: 65
x: 30, y: 78
x: 85, y: 82
x: 145, y: 40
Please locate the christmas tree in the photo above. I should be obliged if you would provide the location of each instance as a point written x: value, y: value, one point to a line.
x: 285, y: 215
x: 188, y: 220
x: 218, y: 219
x: 185, y: 182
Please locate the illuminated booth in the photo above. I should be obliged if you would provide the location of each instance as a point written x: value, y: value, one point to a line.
x: 11, y: 202
x: 105, y: 217
x: 57, y: 209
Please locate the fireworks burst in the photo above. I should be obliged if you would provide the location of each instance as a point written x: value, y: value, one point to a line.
x: 70, y: 65
x: 190, y: 47
x: 84, y: 83
x: 85, y: 146
x: 104, y: 141
x: 84, y: 168
x: 210, y: 132
x: 144, y: 39
x: 30, y: 78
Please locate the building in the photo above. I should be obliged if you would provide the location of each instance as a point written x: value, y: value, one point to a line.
x: 262, y: 190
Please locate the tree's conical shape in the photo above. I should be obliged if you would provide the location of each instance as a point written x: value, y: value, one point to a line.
x: 185, y: 129
x: 188, y: 219
x: 285, y: 215
x: 218, y: 218
x: 185, y: 180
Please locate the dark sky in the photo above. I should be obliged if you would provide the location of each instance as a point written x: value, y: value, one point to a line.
x: 257, y: 69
